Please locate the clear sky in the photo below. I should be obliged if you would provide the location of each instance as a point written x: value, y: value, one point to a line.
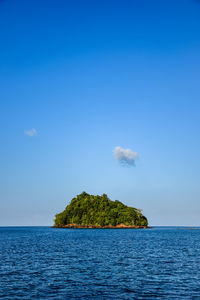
x: 79, y: 78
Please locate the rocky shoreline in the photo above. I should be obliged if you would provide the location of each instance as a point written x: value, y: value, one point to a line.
x: 120, y: 226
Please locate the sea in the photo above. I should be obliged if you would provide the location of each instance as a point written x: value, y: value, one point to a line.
x: 50, y: 263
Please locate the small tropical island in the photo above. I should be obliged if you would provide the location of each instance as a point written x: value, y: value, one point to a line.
x: 94, y: 211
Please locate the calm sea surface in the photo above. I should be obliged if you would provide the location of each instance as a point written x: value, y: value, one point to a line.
x: 45, y: 263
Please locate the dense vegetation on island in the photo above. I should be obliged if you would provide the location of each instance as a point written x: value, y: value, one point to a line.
x: 99, y: 211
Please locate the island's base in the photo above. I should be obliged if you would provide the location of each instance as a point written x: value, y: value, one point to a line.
x: 120, y: 226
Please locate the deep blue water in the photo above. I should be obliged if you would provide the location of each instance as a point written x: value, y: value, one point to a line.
x: 45, y: 263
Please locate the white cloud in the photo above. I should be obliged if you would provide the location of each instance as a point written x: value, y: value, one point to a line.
x: 32, y: 132
x: 125, y: 156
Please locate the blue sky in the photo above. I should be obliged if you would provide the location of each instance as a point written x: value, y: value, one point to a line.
x: 89, y: 76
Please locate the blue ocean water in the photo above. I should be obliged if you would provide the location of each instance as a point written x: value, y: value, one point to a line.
x: 46, y: 263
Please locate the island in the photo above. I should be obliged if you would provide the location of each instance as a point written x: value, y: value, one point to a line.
x: 94, y: 211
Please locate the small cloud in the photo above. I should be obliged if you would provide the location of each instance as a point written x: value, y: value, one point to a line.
x: 32, y: 132
x: 125, y: 156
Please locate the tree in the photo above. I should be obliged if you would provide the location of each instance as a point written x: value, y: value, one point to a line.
x: 98, y: 210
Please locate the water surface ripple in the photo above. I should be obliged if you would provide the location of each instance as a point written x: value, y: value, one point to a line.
x: 47, y: 263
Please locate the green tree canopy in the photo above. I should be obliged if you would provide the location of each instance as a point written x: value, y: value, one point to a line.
x: 95, y: 210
